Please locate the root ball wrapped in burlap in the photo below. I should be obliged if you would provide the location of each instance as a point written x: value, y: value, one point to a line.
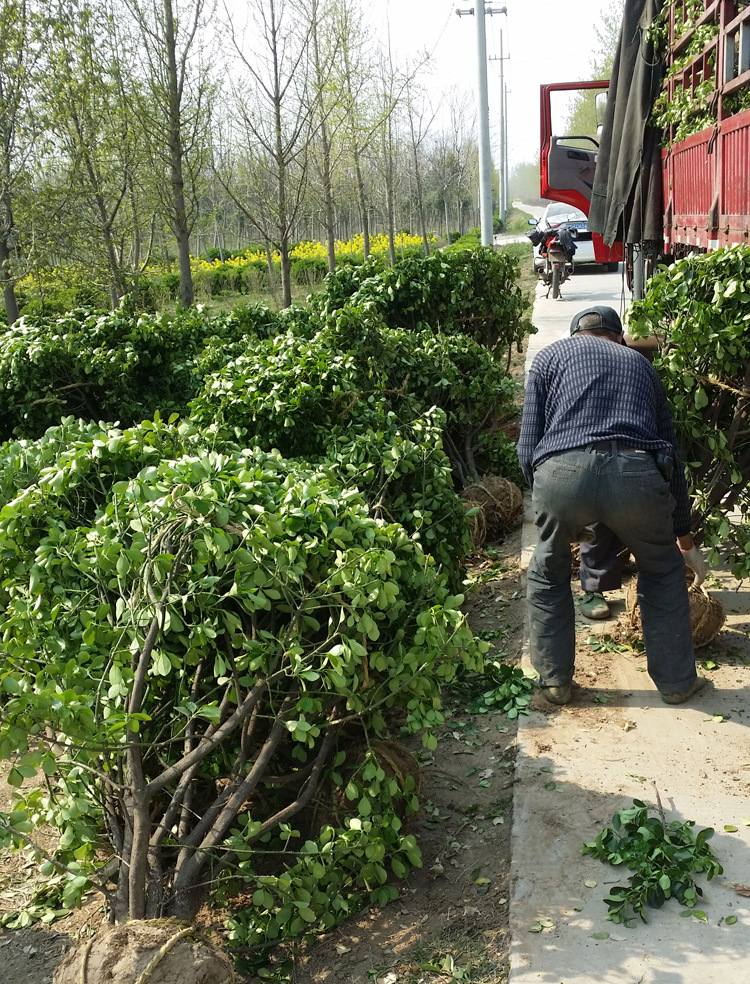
x: 158, y: 951
x: 707, y: 615
x: 501, y: 503
x: 333, y: 806
x: 477, y: 523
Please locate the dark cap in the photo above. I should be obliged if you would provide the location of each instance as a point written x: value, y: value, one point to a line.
x: 596, y: 318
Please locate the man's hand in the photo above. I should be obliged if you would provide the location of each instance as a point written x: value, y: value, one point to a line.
x: 693, y: 559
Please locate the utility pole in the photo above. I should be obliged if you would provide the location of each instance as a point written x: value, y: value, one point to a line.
x: 502, y: 170
x: 503, y: 189
x: 506, y: 181
x: 485, y: 177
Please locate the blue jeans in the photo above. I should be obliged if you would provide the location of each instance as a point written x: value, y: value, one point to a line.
x: 625, y: 491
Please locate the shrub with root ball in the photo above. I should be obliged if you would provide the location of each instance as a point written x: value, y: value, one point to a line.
x: 194, y: 643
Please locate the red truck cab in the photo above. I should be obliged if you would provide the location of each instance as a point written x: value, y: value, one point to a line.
x: 566, y: 170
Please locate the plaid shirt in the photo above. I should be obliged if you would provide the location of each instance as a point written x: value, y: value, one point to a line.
x: 585, y: 389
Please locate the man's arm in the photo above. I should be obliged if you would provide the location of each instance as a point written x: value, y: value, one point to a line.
x: 532, y: 424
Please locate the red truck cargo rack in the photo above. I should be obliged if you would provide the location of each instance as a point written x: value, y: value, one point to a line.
x: 706, y: 177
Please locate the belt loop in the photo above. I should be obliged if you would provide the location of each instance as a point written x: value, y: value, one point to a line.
x: 615, y: 448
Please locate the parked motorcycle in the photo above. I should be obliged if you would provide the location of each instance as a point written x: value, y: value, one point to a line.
x: 557, y: 250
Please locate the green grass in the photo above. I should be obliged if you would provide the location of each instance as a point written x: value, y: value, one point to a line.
x: 517, y: 221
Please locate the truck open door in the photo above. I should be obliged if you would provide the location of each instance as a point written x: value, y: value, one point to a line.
x: 567, y: 163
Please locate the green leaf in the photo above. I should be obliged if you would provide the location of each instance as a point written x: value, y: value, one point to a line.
x: 364, y: 807
x: 11, y: 685
x: 161, y: 664
x: 15, y: 778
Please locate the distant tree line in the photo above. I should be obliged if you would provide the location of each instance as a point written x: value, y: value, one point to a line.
x: 141, y: 131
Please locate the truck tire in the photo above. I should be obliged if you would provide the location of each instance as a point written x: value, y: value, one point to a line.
x: 555, y: 282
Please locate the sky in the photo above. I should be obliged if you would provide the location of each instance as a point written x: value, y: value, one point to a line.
x: 546, y: 40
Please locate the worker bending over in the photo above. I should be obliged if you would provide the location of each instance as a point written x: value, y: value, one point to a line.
x: 597, y: 445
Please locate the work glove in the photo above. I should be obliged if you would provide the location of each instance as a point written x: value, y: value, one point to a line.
x: 694, y: 560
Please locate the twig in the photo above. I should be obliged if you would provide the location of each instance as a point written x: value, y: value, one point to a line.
x: 85, y: 960
x: 53, y: 861
x: 659, y: 807
x: 712, y: 381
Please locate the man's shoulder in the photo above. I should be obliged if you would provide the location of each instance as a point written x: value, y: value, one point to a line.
x: 552, y: 350
x: 591, y: 350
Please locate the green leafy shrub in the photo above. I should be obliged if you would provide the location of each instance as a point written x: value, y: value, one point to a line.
x: 405, y: 477
x: 309, y: 270
x: 701, y: 305
x: 472, y: 292
x: 340, y: 285
x: 108, y: 366
x: 171, y: 283
x: 193, y: 641
x: 364, y: 397
x: 469, y: 240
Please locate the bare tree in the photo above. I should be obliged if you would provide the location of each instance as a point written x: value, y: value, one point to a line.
x: 265, y: 166
x: 357, y: 91
x: 327, y: 107
x: 89, y: 101
x: 177, y: 114
x: 421, y: 116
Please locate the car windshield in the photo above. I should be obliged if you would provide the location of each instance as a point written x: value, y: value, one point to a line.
x: 560, y: 212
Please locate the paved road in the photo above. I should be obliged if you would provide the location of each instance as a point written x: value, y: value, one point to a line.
x: 503, y: 238
x: 579, y: 764
x: 535, y: 211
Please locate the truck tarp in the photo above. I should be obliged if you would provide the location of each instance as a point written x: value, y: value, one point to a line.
x: 626, y: 201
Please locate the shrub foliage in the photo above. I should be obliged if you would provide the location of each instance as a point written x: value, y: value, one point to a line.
x: 702, y: 307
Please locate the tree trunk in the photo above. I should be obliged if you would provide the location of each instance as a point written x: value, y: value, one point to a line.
x: 362, y: 195
x: 325, y: 147
x: 9, y: 291
x: 286, y: 284
x: 420, y: 202
x: 286, y: 278
x: 328, y: 199
x: 181, y: 227
x: 390, y: 196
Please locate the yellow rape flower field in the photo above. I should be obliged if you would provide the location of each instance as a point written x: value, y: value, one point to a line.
x: 54, y: 289
x: 311, y: 250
